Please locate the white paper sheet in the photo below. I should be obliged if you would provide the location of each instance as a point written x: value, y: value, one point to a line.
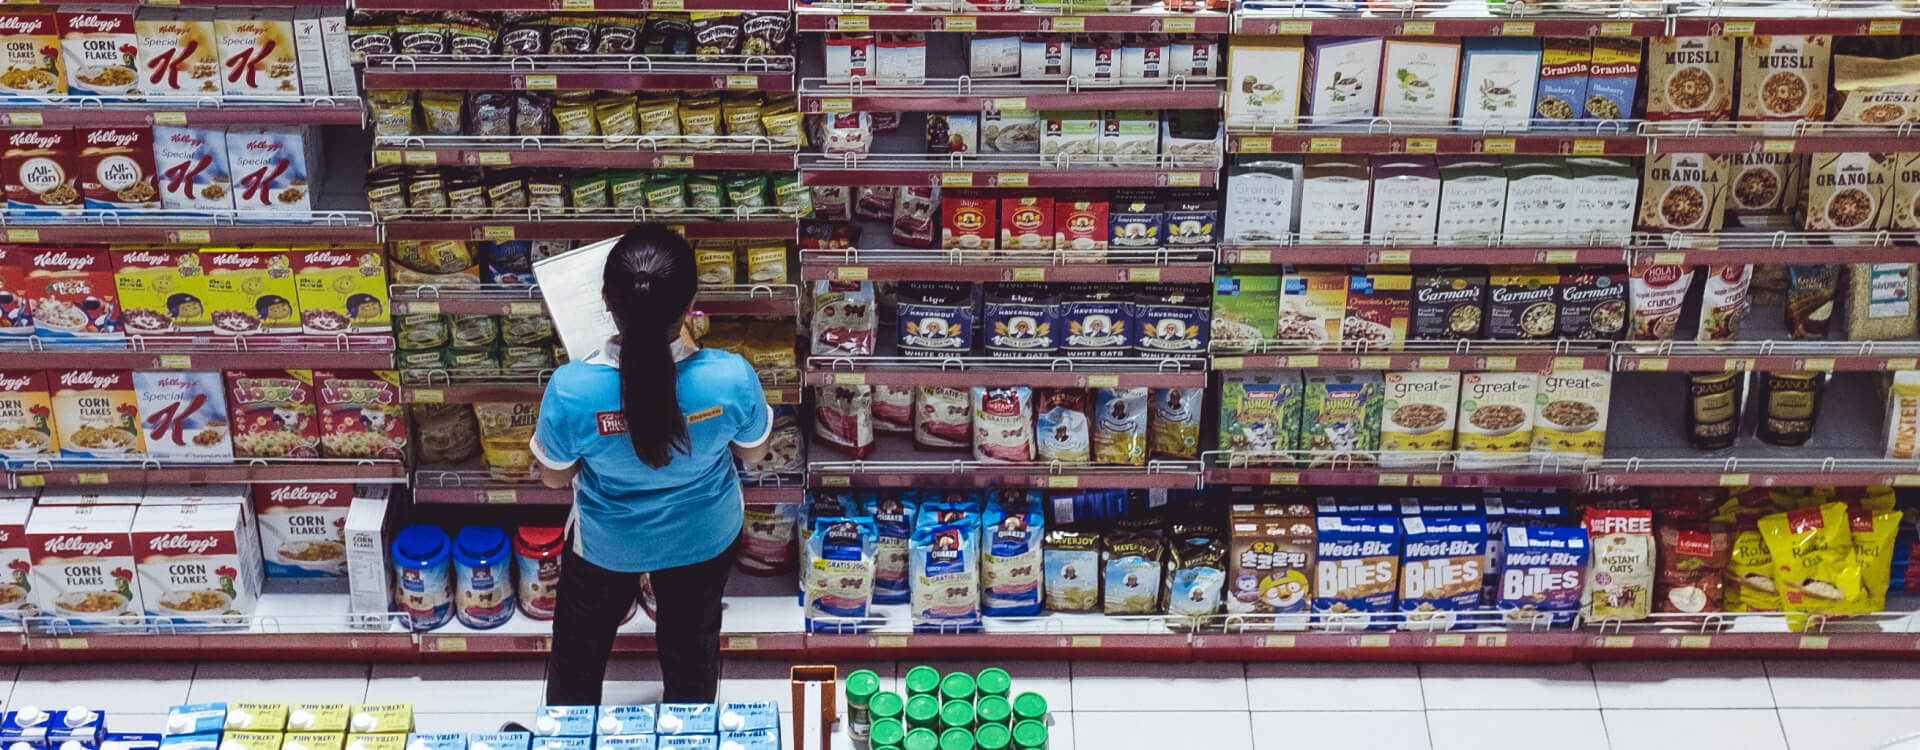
x: 570, y: 283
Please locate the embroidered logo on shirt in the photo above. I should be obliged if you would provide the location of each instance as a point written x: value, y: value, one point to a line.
x: 703, y: 414
x: 611, y: 422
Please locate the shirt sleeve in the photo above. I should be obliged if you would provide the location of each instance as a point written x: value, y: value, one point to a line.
x: 553, y: 444
x: 756, y: 424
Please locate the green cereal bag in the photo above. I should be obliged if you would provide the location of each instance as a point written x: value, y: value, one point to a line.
x: 1246, y: 309
x: 1260, y: 413
x: 1341, y: 413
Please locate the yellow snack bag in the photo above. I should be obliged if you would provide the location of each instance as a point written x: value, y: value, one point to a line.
x: 1814, y: 564
x: 1749, y: 574
x: 1873, y: 538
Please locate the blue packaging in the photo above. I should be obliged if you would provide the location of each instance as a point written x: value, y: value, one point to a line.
x: 625, y: 742
x: 688, y: 742
x: 129, y: 741
x: 84, y: 724
x: 437, y: 741
x: 1098, y: 321
x: 685, y: 718
x: 1441, y: 506
x: 755, y: 739
x: 945, y: 567
x: 1173, y: 320
x: 202, y: 741
x: 1561, y: 94
x: 893, y: 525
x: 1010, y: 567
x: 568, y: 742
x: 1135, y: 218
x: 625, y: 720
x: 423, y: 567
x: 565, y: 721
x: 1357, y: 571
x: 744, y: 716
x: 499, y: 741
x: 1542, y: 575
x: 196, y: 718
x: 842, y: 548
x: 1021, y: 320
x: 509, y: 263
x: 1328, y: 505
x: 1442, y: 566
x: 77, y: 745
x: 936, y: 318
x: 483, y: 576
x: 27, y: 724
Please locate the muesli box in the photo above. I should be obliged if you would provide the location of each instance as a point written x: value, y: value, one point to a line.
x: 116, y: 169
x: 341, y: 290
x: 1538, y: 191
x: 302, y: 528
x: 162, y: 290
x: 1497, y: 81
x: 99, y: 47
x: 1418, y: 79
x: 30, y: 50
x: 360, y: 414
x: 97, y: 413
x: 1690, y: 77
x: 1603, y: 195
x: 83, y: 563
x: 1783, y: 78
x: 257, y: 51
x: 192, y: 164
x: 270, y: 169
x: 179, y: 54
x: 193, y: 564
x: 1473, y: 200
x: 273, y: 414
x: 1343, y: 78
x: 184, y: 415
x: 26, y: 416
x: 16, y: 585
x: 1335, y: 198
x: 41, y: 173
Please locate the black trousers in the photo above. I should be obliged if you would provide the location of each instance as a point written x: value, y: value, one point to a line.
x: 592, y: 600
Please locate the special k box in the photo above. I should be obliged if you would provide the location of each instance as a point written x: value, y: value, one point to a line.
x: 257, y: 50
x: 99, y: 47
x: 192, y: 164
x: 191, y: 564
x: 30, y: 50
x: 83, y: 563
x: 178, y: 52
x: 14, y: 583
x: 303, y: 528
x: 269, y: 169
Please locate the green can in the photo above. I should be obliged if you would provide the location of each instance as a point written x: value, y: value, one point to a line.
x: 922, y: 680
x: 921, y: 739
x: 887, y: 705
x: 884, y: 747
x: 957, y: 686
x: 993, y: 737
x: 956, y: 715
x: 1029, y: 707
x: 923, y: 712
x: 994, y: 681
x: 1030, y: 735
x: 887, y: 732
x: 862, y: 684
x: 992, y: 710
x: 956, y: 739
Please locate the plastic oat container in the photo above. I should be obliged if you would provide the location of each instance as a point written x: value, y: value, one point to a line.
x: 994, y: 681
x: 993, y: 737
x: 956, y: 739
x: 887, y: 732
x: 921, y: 739
x: 994, y: 710
x: 1029, y: 707
x: 957, y: 686
x: 1030, y: 735
x: 923, y: 712
x: 922, y: 680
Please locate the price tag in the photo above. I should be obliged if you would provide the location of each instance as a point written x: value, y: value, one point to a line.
x: 90, y: 478
x: 1617, y: 641
x: 71, y: 643
x: 1427, y: 480
x: 450, y: 643
x: 1498, y: 145
x: 33, y: 480
x: 956, y: 179
x: 1588, y: 147
x: 1086, y: 641
x: 1254, y: 256
x: 1516, y: 28
x: 1822, y: 365
x: 1396, y: 256
x: 1070, y: 24
x: 1669, y: 259
x: 541, y: 82
x: 1069, y: 481
x: 836, y: 106
x: 1010, y: 179
x: 1288, y: 478
x: 1776, y: 147
x: 1305, y: 360
x: 1417, y: 28
x: 1883, y: 27
x: 1450, y: 640
x: 1696, y: 641
x: 1907, y: 363
x: 1813, y: 641
x: 1393, y: 480
x: 170, y: 118
x: 1376, y: 641
x: 1616, y: 29
x: 1010, y: 103
x: 1323, y: 145
x: 192, y: 235
x: 890, y: 641
x: 743, y: 82
x: 525, y: 308
x: 836, y: 480
x: 1185, y: 26
x: 25, y: 119
x: 1436, y: 363
x: 1569, y: 363
x: 1423, y: 145
x: 1376, y: 363
x: 676, y: 161
x: 853, y: 23
x: 850, y: 273
x: 576, y: 4
x: 669, y: 4
x: 176, y: 361
x: 1029, y: 274
x: 742, y: 643
x: 421, y: 158
x: 1183, y: 179
x: 1653, y: 364
x: 1906, y: 480
x: 1103, y: 381
x: 1143, y: 274
x: 494, y: 158
x: 1493, y: 640
x: 1559, y: 256
x: 774, y: 395
x: 23, y: 235
x: 423, y: 308
x: 1296, y: 27
x: 1738, y: 364
x: 386, y: 157
x: 1229, y: 363
x: 961, y: 23
x: 849, y: 378
x: 1736, y: 480
x: 430, y: 396
x: 1256, y: 145
x: 502, y: 496
x: 1737, y: 28
x: 1501, y: 363
x: 1277, y: 641
x: 497, y: 232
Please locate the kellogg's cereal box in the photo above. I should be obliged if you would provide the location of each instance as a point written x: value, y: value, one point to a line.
x: 257, y: 48
x: 1358, y: 569
x: 116, y: 168
x: 273, y: 413
x: 1443, y: 563
x: 251, y: 291
x: 302, y: 528
x: 101, y: 46
x: 73, y: 295
x: 16, y: 586
x: 360, y: 414
x: 270, y: 166
x: 97, y: 413
x: 16, y: 315
x: 184, y: 415
x: 38, y: 166
x: 26, y: 416
x: 162, y: 290
x: 30, y: 50
x: 83, y: 563
x: 342, y: 290
x: 178, y: 52
x: 192, y: 565
x: 192, y: 164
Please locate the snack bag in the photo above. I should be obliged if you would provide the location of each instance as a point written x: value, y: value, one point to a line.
x: 1620, y: 579
x: 1120, y: 426
x: 1357, y: 572
x: 1814, y: 564
x: 1873, y: 542
x: 942, y: 418
x: 1543, y: 572
x: 839, y: 574
x: 1010, y: 566
x: 821, y: 504
x: 1692, y: 559
x: 1061, y: 426
x: 1072, y: 561
x: 1442, y: 565
x: 945, y: 559
x: 843, y: 418
x: 1003, y: 424
x: 1196, y: 571
x: 1131, y: 562
x: 1173, y: 426
x: 893, y: 408
x: 893, y: 523
x: 1749, y: 585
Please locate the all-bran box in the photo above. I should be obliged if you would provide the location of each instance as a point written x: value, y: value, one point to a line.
x: 83, y: 563
x: 179, y: 55
x: 342, y: 290
x: 1357, y: 571
x: 26, y: 416
x: 162, y: 290
x: 16, y: 585
x: 97, y: 413
x: 192, y: 565
x: 251, y: 291
x: 30, y: 50
x: 270, y: 169
x: 1442, y: 565
x: 73, y: 296
x: 40, y: 172
x: 257, y: 51
x: 100, y: 51
x: 116, y: 169
x: 184, y: 415
x: 302, y: 528
x: 192, y: 164
x: 16, y: 312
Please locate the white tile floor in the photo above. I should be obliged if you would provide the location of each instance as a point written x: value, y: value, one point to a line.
x: 1752, y: 705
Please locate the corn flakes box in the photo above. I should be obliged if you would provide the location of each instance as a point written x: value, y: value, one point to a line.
x: 251, y: 291
x: 73, y: 296
x: 16, y: 314
x: 116, y: 169
x: 97, y: 413
x: 178, y: 52
x: 30, y: 50
x: 192, y: 164
x: 100, y: 48
x: 270, y: 169
x: 26, y: 416
x: 342, y: 291
x: 83, y: 563
x: 192, y: 564
x: 273, y: 414
x: 16, y: 587
x: 184, y: 415
x: 361, y: 415
x: 302, y: 528
x: 257, y: 47
x: 162, y: 290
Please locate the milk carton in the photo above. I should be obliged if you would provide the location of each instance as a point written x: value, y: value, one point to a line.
x: 191, y: 565
x: 83, y: 563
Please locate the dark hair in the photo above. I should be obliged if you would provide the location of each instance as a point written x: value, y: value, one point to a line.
x: 648, y: 286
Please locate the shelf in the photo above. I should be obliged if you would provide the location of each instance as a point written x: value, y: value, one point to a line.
x: 1625, y: 248
x: 1460, y: 355
x: 469, y: 486
x: 1609, y: 138
x: 1393, y: 477
x: 210, y: 352
x: 896, y: 463
x: 573, y: 5
x: 1763, y: 356
x: 588, y: 225
x: 190, y: 227
x: 977, y: 95
x: 138, y: 470
x: 739, y: 300
x: 968, y: 371
x: 829, y: 17
x: 1579, y: 18
x: 1170, y: 265
x: 709, y: 152
x: 70, y: 111
x: 1436, y: 255
x: 443, y: 387
x: 568, y: 72
x: 997, y: 171
x: 295, y: 620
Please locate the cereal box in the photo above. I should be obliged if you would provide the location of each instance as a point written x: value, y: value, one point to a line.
x: 83, y: 563
x: 192, y: 164
x: 301, y: 528
x: 26, y: 416
x: 97, y: 413
x: 16, y: 315
x: 1264, y: 76
x: 1783, y: 78
x: 1341, y: 417
x: 1260, y: 415
x: 116, y: 169
x: 99, y: 49
x: 1378, y: 310
x: 257, y: 52
x: 1496, y: 418
x: 968, y: 221
x: 1690, y: 77
x: 1564, y: 62
x: 1343, y: 78
x: 273, y: 414
x: 16, y: 586
x: 1418, y: 417
x: 1313, y: 305
x: 72, y: 295
x: 1573, y: 413
x: 192, y: 564
x: 1542, y: 573
x: 1417, y: 79
x: 1270, y: 565
x: 251, y: 291
x: 161, y: 290
x: 270, y: 168
x: 30, y: 49
x: 184, y: 415
x: 40, y: 172
x: 178, y: 53
x: 1497, y: 82
x: 1611, y: 78
x: 360, y: 414
x: 368, y: 574
x: 342, y: 290
x: 1441, y: 566
x: 311, y: 51
x: 1357, y: 571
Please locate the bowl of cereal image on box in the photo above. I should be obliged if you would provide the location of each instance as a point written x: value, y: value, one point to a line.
x: 1851, y: 208
x: 1498, y: 420
x: 1419, y: 419
x: 1568, y: 415
x: 102, y: 441
x: 195, y: 603
x: 318, y: 555
x: 92, y: 603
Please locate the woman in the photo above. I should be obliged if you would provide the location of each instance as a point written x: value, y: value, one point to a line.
x: 645, y: 430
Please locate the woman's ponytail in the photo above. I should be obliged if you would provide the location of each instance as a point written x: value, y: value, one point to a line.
x: 649, y: 284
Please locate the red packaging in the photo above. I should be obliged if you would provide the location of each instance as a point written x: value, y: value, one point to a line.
x: 72, y: 295
x: 1026, y: 223
x: 913, y: 208
x: 273, y: 414
x: 843, y: 419
x: 968, y: 221
x: 360, y: 414
x: 16, y: 315
x: 536, y: 553
x: 40, y: 171
x: 1080, y: 225
x: 116, y: 168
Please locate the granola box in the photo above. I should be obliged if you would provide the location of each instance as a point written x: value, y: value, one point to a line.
x: 83, y: 563
x: 26, y: 416
x: 1564, y: 65
x: 193, y: 563
x: 73, y: 295
x: 1523, y: 302
x: 1849, y: 191
x: 30, y: 50
x: 162, y: 290
x: 97, y: 413
x: 341, y: 290
x: 184, y: 415
x: 1612, y: 76
x: 269, y: 167
x: 273, y: 414
x: 251, y: 291
x: 179, y: 54
x: 192, y: 165
x: 16, y: 586
x: 41, y: 172
x: 1443, y: 561
x: 1497, y: 81
x: 1357, y: 571
x: 257, y: 51
x: 1683, y: 192
x: 1758, y: 187
x: 116, y: 169
x: 302, y: 528
x: 1906, y: 196
x: 1418, y: 417
x: 1313, y: 305
x: 99, y: 49
x: 1496, y: 418
x: 1593, y: 303
x: 360, y: 414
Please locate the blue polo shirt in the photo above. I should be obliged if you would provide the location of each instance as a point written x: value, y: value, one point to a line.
x: 628, y: 516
